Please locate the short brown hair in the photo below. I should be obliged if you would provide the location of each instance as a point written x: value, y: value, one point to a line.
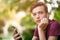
x: 39, y: 4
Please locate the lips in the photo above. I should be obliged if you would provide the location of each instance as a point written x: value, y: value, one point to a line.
x: 38, y: 20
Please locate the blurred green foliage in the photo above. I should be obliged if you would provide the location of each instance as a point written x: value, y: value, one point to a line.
x: 28, y: 21
x: 10, y: 29
x: 57, y: 14
x: 19, y: 4
x: 28, y: 34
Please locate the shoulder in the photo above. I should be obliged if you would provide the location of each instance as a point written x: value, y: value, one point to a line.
x: 54, y: 24
x: 54, y: 28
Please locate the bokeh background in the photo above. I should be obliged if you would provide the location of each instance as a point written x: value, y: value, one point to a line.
x: 16, y: 13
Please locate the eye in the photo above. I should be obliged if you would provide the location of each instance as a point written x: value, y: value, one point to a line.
x: 40, y: 12
x: 34, y: 14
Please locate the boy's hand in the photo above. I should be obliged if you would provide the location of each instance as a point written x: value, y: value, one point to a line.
x: 16, y: 34
x: 43, y: 24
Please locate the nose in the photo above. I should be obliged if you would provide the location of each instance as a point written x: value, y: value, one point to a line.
x: 37, y: 16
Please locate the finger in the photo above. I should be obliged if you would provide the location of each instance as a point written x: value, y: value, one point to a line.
x: 18, y: 38
x: 43, y: 23
x: 44, y: 20
x: 16, y: 35
x: 15, y: 31
x: 44, y: 26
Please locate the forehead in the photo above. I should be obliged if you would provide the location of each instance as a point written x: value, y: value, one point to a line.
x: 38, y: 8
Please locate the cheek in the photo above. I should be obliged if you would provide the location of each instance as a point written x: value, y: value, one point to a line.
x: 43, y: 16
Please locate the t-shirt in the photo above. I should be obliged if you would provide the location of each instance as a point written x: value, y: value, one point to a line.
x: 53, y: 29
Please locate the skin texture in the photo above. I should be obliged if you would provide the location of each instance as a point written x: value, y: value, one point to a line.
x: 41, y: 19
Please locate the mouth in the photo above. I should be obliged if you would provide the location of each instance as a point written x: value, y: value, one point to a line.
x: 38, y: 21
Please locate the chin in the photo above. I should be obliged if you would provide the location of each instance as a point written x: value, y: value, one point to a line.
x: 37, y: 22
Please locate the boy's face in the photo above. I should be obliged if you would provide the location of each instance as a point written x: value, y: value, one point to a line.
x: 39, y: 13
